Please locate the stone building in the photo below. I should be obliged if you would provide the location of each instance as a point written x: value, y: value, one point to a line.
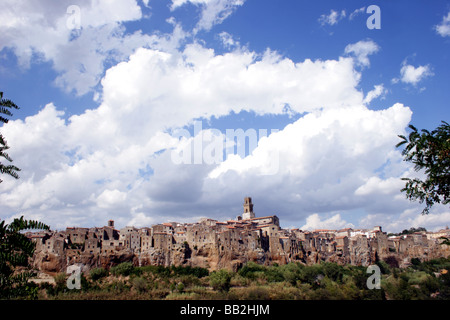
x: 92, y: 245
x: 55, y: 244
x: 342, y: 245
x: 131, y: 238
x: 146, y: 235
x: 77, y: 235
x: 162, y: 241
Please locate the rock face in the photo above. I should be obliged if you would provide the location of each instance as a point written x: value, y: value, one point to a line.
x: 54, y: 263
x: 216, y: 245
x: 49, y: 263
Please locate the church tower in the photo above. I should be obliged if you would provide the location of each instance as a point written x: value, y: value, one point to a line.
x: 248, y: 209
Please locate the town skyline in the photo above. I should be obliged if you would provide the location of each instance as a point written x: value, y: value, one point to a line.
x: 230, y: 244
x: 240, y: 217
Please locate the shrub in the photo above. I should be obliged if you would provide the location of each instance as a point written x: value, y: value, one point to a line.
x: 60, y: 282
x: 292, y: 272
x: 274, y: 274
x: 98, y: 273
x: 392, y: 261
x: 333, y: 271
x: 162, y: 271
x: 117, y: 286
x: 249, y: 270
x: 180, y: 287
x: 189, y: 280
x: 415, y: 261
x: 358, y: 276
x: 148, y: 269
x: 188, y: 270
x: 140, y: 284
x: 310, y: 274
x: 220, y: 280
x: 256, y: 293
x: 123, y: 269
x: 384, y: 267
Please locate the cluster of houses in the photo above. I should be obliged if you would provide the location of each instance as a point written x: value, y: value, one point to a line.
x: 245, y: 235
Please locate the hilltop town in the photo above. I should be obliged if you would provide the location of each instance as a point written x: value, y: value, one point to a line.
x: 229, y: 244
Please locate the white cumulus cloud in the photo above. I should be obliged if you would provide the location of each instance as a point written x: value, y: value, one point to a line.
x: 413, y: 75
x: 443, y: 28
x: 314, y: 222
x: 361, y: 51
x: 378, y: 91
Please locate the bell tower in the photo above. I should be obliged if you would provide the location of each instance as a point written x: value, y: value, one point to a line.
x: 248, y: 209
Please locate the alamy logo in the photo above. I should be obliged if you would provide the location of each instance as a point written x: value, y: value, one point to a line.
x: 74, y: 280
x: 374, y: 281
x: 74, y: 19
x: 374, y: 21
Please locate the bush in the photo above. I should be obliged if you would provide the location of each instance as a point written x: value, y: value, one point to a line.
x: 220, y: 280
x: 98, y: 273
x: 249, y: 270
x: 162, y: 271
x: 140, y: 284
x: 311, y: 274
x: 333, y: 271
x: 60, y: 282
x: 392, y: 261
x: 359, y: 276
x: 273, y: 274
x: 180, y: 287
x: 188, y: 270
x: 123, y: 269
x: 292, y: 272
x: 117, y: 286
x: 255, y: 293
x: 189, y: 280
x: 384, y: 267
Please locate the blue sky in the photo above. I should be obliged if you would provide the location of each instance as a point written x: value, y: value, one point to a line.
x: 102, y: 90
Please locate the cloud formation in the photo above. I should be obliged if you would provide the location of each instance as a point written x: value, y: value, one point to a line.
x: 77, y: 39
x: 413, y: 75
x: 361, y: 50
x: 213, y: 12
x: 378, y: 91
x: 332, y: 18
x: 443, y: 29
x: 314, y: 222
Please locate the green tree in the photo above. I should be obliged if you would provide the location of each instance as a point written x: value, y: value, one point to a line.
x: 98, y: 273
x: 123, y: 269
x: 15, y: 249
x: 428, y: 151
x: 220, y: 280
x: 445, y: 240
x: 5, y: 106
x: 412, y: 230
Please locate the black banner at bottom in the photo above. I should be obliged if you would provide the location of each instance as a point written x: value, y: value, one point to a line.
x: 223, y: 309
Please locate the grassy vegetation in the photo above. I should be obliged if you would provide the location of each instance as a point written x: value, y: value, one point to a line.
x: 423, y: 280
